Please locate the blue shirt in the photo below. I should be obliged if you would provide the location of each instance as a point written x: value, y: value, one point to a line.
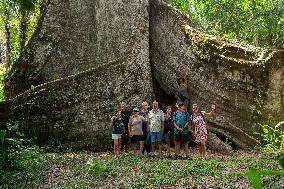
x: 181, y: 118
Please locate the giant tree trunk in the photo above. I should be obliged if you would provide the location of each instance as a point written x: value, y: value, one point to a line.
x: 88, y: 55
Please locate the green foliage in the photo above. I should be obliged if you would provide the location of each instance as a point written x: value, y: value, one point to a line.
x: 20, y: 162
x: 258, y: 22
x: 160, y: 172
x: 131, y: 171
x: 254, y: 176
x: 2, y: 74
x: 273, y: 137
x: 281, y: 160
x: 33, y: 88
x: 97, y: 167
x: 26, y: 6
x: 19, y: 14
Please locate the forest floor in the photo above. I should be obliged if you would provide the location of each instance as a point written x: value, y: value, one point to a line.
x: 41, y: 168
x: 103, y: 170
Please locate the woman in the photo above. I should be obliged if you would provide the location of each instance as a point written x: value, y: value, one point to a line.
x: 182, y: 92
x: 144, y: 112
x: 117, y: 131
x: 135, y: 130
x: 199, y: 128
x: 168, y: 129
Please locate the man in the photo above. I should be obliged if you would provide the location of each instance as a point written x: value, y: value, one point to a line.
x: 181, y: 130
x: 125, y: 115
x: 156, y: 125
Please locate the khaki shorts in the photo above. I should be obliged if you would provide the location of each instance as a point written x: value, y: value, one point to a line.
x: 116, y: 136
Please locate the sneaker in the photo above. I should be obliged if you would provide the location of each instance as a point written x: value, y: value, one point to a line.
x: 151, y: 154
x: 177, y: 157
x: 188, y: 158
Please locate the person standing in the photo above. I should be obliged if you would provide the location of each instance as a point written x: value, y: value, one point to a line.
x: 117, y: 131
x: 182, y: 92
x: 199, y: 127
x: 168, y: 129
x: 135, y: 130
x: 144, y: 112
x: 156, y: 125
x: 125, y: 115
x: 181, y: 130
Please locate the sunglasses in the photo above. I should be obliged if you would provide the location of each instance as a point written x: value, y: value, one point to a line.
x: 194, y: 108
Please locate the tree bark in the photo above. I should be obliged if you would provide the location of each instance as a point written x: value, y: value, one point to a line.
x: 8, y: 40
x: 24, y: 22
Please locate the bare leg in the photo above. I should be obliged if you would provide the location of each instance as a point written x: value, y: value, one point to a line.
x: 200, y: 149
x: 115, y: 141
x: 153, y: 147
x: 127, y: 146
x: 160, y: 149
x: 203, y: 147
x: 137, y: 148
x: 119, y: 145
x: 169, y: 148
x: 177, y: 148
x: 186, y: 149
x: 141, y: 147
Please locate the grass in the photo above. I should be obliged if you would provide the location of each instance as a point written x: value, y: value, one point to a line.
x: 102, y: 170
x: 131, y: 171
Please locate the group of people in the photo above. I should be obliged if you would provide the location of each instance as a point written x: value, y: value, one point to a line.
x: 146, y: 129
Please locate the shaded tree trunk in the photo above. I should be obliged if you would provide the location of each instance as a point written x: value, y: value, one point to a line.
x: 270, y: 37
x: 24, y: 23
x: 8, y: 40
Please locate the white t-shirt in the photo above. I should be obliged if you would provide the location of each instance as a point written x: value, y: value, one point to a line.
x: 156, y: 119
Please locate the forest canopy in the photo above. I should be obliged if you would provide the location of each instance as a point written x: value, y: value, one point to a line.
x: 256, y: 22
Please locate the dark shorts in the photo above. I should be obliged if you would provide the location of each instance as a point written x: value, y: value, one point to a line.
x: 168, y: 136
x: 136, y: 138
x: 124, y: 139
x: 182, y: 137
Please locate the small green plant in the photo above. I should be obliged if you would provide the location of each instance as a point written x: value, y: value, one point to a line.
x: 254, y: 176
x: 272, y: 137
x: 281, y: 161
x: 273, y: 142
x: 20, y: 162
x: 33, y: 88
x: 96, y: 167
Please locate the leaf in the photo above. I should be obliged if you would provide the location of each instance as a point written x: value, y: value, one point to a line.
x: 254, y: 178
x: 281, y: 161
x: 265, y: 130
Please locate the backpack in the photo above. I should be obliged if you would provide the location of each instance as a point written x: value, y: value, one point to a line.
x: 182, y: 98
